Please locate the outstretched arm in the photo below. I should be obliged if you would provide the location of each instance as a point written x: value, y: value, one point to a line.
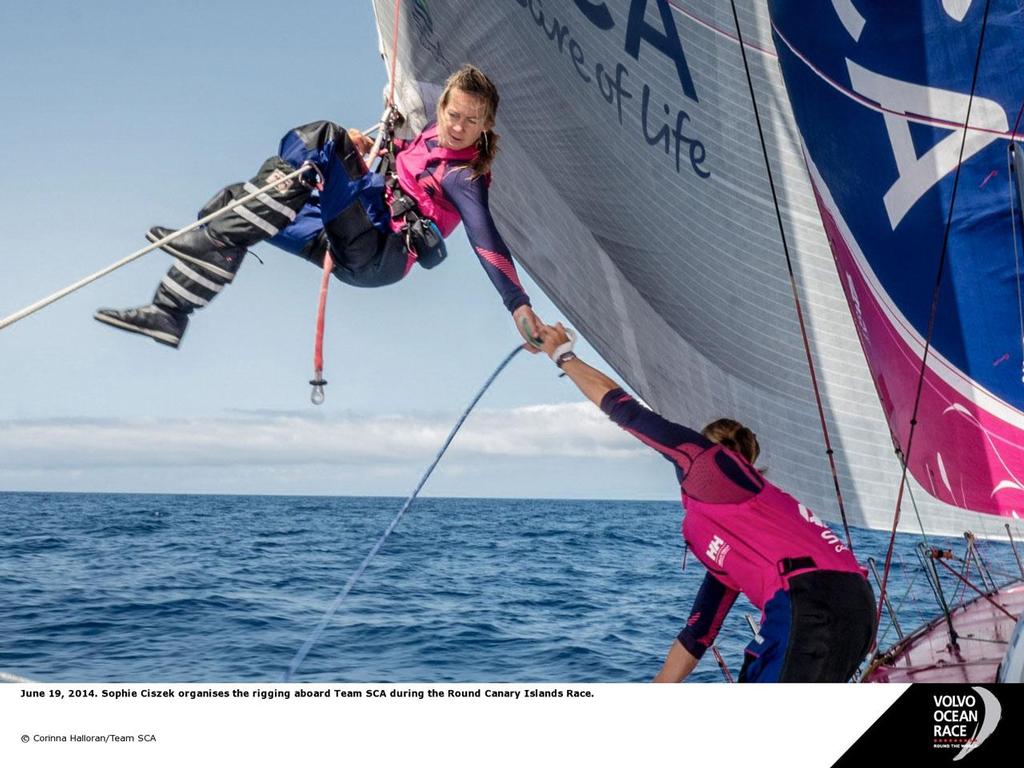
x: 713, y: 602
x: 591, y: 382
x: 674, y: 441
x: 469, y: 196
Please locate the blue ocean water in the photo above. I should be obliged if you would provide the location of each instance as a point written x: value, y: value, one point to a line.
x: 151, y: 588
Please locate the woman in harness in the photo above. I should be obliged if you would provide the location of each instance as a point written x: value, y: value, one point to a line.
x: 375, y: 228
x: 818, y: 608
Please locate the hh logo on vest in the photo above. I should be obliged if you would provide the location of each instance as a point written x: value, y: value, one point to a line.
x: 717, y: 550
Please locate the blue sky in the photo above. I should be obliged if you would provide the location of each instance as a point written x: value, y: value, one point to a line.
x: 120, y: 115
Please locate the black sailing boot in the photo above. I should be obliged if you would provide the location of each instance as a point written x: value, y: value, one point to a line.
x: 183, y: 289
x: 160, y: 324
x: 208, y: 258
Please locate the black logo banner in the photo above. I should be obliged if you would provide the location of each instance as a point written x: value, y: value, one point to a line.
x: 968, y: 725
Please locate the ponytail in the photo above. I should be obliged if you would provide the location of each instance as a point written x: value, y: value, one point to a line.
x: 735, y: 437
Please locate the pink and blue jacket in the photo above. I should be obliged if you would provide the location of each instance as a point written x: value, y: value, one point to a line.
x: 750, y: 535
x: 441, y: 181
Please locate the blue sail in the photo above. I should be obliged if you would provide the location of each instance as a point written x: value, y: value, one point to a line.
x: 881, y: 95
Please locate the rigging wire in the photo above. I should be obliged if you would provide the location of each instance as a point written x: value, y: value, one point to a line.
x: 982, y: 594
x: 899, y: 605
x: 792, y: 282
x: 301, y: 654
x: 1010, y: 157
x: 913, y: 501
x: 932, y: 315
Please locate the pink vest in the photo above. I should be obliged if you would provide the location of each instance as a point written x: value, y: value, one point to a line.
x: 744, y: 544
x: 420, y: 171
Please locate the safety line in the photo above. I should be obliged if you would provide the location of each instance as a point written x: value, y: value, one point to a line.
x: 308, y: 645
x: 394, y: 53
x: 21, y: 314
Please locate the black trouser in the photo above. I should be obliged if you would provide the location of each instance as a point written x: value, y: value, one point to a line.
x: 363, y: 255
x: 831, y: 625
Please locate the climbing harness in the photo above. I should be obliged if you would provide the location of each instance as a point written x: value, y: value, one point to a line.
x: 311, y: 641
x: 422, y: 236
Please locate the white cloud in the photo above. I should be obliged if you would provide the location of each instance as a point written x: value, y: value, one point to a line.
x: 565, y: 431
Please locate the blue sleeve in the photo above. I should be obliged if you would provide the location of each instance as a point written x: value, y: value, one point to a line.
x: 469, y: 196
x: 710, y: 607
x: 679, y: 444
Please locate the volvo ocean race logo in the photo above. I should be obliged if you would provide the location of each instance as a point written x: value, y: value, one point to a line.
x: 963, y: 721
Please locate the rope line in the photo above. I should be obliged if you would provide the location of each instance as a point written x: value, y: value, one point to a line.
x: 329, y: 614
x: 318, y: 382
x: 792, y: 282
x: 932, y: 315
x: 394, y: 53
x: 21, y: 314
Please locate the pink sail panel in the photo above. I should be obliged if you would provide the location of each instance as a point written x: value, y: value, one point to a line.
x: 968, y: 447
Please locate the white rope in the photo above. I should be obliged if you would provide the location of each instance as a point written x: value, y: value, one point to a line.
x: 10, y: 320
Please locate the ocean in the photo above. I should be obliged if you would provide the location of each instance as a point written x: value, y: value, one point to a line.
x: 161, y: 588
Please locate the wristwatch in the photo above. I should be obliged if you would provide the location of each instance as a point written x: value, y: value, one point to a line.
x: 564, y: 358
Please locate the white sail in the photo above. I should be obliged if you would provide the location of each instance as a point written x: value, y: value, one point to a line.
x: 631, y: 185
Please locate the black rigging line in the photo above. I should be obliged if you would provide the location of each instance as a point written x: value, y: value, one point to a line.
x: 792, y: 282
x: 934, y: 311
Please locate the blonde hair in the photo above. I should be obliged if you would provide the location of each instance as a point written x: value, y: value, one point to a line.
x: 471, y: 80
x: 735, y: 437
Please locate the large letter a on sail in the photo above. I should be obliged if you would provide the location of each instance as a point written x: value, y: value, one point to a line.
x: 899, y: 100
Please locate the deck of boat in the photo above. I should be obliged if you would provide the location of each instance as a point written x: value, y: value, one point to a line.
x: 983, y: 635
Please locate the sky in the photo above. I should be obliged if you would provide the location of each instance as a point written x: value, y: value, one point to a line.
x: 120, y: 115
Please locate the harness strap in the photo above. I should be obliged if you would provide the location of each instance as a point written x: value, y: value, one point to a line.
x: 403, y: 205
